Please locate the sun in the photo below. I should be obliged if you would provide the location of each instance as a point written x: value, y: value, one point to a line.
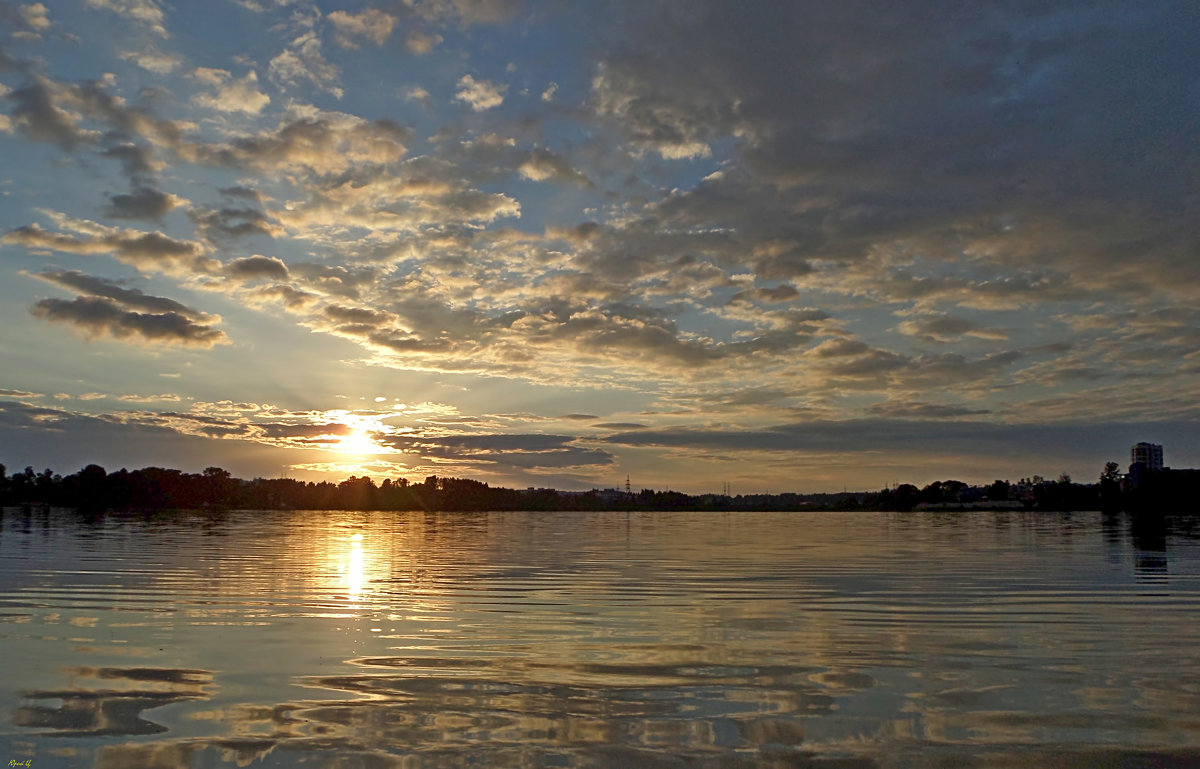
x: 358, y: 442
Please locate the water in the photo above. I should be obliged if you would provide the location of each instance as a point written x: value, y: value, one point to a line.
x: 833, y: 640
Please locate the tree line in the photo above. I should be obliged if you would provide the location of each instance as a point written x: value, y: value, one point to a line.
x: 157, y: 488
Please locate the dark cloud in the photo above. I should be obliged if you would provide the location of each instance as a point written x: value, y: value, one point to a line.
x: 137, y: 161
x: 257, y: 268
x: 942, y: 328
x: 869, y: 364
x: 131, y: 298
x: 923, y: 411
x: 343, y: 281
x: 223, y: 223
x: 526, y: 451
x: 304, y: 431
x: 9, y: 63
x: 743, y: 396
x: 98, y: 316
x: 67, y: 440
x: 356, y: 315
x: 328, y: 143
x: 1029, y: 443
x: 243, y: 193
x: 38, y: 116
x: 144, y: 250
x: 142, y: 203
x: 952, y: 369
x: 77, y: 115
x: 289, y: 296
x: 782, y: 293
x: 863, y: 124
x: 492, y: 156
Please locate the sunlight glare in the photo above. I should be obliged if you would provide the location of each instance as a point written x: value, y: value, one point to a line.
x: 355, y: 568
x: 357, y: 442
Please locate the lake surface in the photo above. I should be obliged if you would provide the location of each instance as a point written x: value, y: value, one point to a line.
x: 823, y: 640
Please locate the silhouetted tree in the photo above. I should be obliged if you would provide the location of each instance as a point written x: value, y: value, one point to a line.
x: 1110, y: 488
x: 356, y: 494
x: 906, y: 497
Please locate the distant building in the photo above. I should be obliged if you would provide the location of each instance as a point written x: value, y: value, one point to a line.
x: 1148, y: 455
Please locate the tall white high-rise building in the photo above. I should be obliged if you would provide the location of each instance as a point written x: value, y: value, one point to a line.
x: 1150, y: 455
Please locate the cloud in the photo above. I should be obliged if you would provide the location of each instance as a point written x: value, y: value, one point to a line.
x: 109, y: 309
x: 302, y: 61
x: 414, y: 195
x: 781, y: 293
x: 653, y: 123
x: 543, y: 165
x: 229, y: 222
x: 124, y: 439
x: 371, y: 23
x: 281, y: 294
x: 469, y: 12
x: 525, y: 451
x: 947, y: 328
x: 130, y: 298
x: 148, y: 251
x: 419, y: 43
x: 147, y: 13
x: 18, y: 394
x: 154, y: 60
x: 35, y: 17
x: 853, y: 144
x: 923, y: 411
x: 142, y: 203
x: 38, y: 116
x: 159, y: 398
x: 766, y: 211
x: 479, y: 95
x: 230, y: 94
x: 319, y: 142
x: 419, y: 95
x: 97, y: 317
x: 357, y: 316
x: 243, y: 193
x: 137, y: 161
x: 71, y: 115
x: 1029, y: 443
x: 257, y: 268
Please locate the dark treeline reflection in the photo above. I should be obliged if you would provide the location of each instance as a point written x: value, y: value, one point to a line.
x: 157, y: 488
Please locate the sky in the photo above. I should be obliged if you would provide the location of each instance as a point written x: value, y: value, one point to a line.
x: 784, y: 246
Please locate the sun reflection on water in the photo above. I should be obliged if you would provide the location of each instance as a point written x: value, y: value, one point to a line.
x: 355, y: 568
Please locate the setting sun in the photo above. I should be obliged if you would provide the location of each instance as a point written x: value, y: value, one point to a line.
x: 357, y: 442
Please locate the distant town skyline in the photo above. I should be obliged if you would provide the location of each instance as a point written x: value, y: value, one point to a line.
x: 785, y: 246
